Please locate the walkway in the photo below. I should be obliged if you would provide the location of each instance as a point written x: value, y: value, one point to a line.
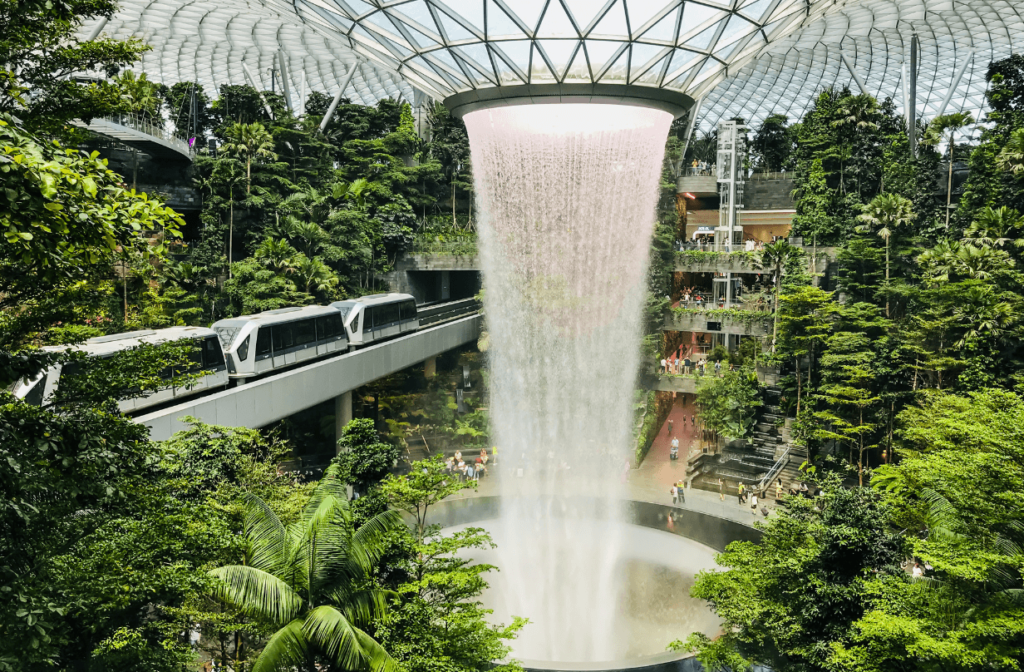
x: 140, y: 134
x: 653, y: 480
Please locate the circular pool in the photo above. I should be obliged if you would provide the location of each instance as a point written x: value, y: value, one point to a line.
x: 622, y: 617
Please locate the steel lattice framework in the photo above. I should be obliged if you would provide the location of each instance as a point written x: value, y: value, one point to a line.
x: 746, y: 58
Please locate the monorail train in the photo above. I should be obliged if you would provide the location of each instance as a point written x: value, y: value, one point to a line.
x: 277, y: 339
x: 374, y: 318
x: 207, y: 357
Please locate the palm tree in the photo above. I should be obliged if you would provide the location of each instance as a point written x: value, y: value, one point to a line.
x: 857, y: 112
x: 776, y: 255
x: 1011, y: 157
x: 885, y: 212
x: 139, y: 94
x: 307, y: 236
x: 996, y: 227
x: 313, y: 275
x: 276, y: 254
x: 951, y: 261
x: 229, y: 173
x: 249, y: 142
x: 947, y: 124
x: 309, y: 580
x: 983, y: 311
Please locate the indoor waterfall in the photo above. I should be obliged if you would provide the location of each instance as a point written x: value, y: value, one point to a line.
x: 568, y: 198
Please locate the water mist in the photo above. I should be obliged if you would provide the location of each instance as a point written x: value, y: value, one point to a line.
x: 568, y: 194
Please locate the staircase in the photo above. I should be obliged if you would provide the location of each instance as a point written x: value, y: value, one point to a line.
x: 751, y: 461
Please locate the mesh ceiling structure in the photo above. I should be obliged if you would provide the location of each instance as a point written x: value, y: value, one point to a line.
x: 746, y: 58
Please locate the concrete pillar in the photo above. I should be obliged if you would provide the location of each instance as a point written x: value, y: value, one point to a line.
x: 430, y: 367
x: 342, y: 415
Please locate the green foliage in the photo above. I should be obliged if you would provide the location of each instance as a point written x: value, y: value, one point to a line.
x: 436, y: 622
x: 790, y: 601
x: 41, y: 49
x: 307, y: 579
x: 363, y: 459
x: 772, y: 146
x: 63, y: 215
x: 729, y: 404
x: 702, y: 258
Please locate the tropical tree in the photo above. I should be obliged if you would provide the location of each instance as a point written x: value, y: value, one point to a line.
x: 229, y: 173
x: 313, y: 275
x: 276, y: 254
x: 948, y: 125
x: 249, y: 142
x: 885, y: 212
x: 140, y: 95
x: 1011, y: 156
x: 995, y: 227
x: 775, y: 256
x: 310, y: 580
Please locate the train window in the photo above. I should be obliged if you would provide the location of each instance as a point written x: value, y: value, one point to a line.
x: 243, y: 350
x: 263, y: 342
x: 212, y: 354
x: 305, y: 331
x: 385, y: 315
x: 408, y: 310
x: 329, y: 327
x: 283, y: 337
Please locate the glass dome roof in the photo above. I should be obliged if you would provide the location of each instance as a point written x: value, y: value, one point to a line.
x: 745, y: 58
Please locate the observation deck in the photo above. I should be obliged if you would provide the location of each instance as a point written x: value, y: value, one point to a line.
x: 720, y: 321
x: 140, y: 134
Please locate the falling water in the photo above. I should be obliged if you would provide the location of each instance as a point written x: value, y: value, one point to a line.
x: 568, y: 195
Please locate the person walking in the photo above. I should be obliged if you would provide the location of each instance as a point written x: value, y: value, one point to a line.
x: 718, y: 369
x: 674, y: 451
x: 675, y: 494
x: 741, y: 493
x: 753, y: 503
x: 778, y: 490
x: 663, y: 365
x: 670, y: 426
x: 681, y: 491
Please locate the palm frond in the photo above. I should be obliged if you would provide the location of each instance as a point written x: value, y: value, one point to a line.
x: 941, y: 516
x: 257, y: 593
x: 288, y: 649
x: 362, y: 606
x: 347, y: 646
x: 370, y: 540
x: 267, y: 538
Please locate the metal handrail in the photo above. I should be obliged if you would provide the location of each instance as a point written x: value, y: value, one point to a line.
x: 766, y: 177
x: 776, y: 469
x: 146, y: 126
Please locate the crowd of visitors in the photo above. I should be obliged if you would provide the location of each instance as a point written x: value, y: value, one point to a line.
x: 470, y: 469
x: 703, y: 168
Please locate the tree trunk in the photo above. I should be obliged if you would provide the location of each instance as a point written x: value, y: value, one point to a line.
x: 231, y: 228
x: 887, y: 278
x: 248, y: 176
x: 778, y: 288
x: 949, y: 183
x: 796, y: 360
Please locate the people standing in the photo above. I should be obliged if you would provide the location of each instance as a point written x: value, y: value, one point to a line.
x: 681, y: 491
x: 718, y: 368
x: 686, y: 365
x: 675, y: 494
x: 740, y: 488
x: 662, y: 365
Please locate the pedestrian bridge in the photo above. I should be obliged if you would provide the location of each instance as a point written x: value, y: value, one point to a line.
x: 139, y: 134
x: 268, y: 400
